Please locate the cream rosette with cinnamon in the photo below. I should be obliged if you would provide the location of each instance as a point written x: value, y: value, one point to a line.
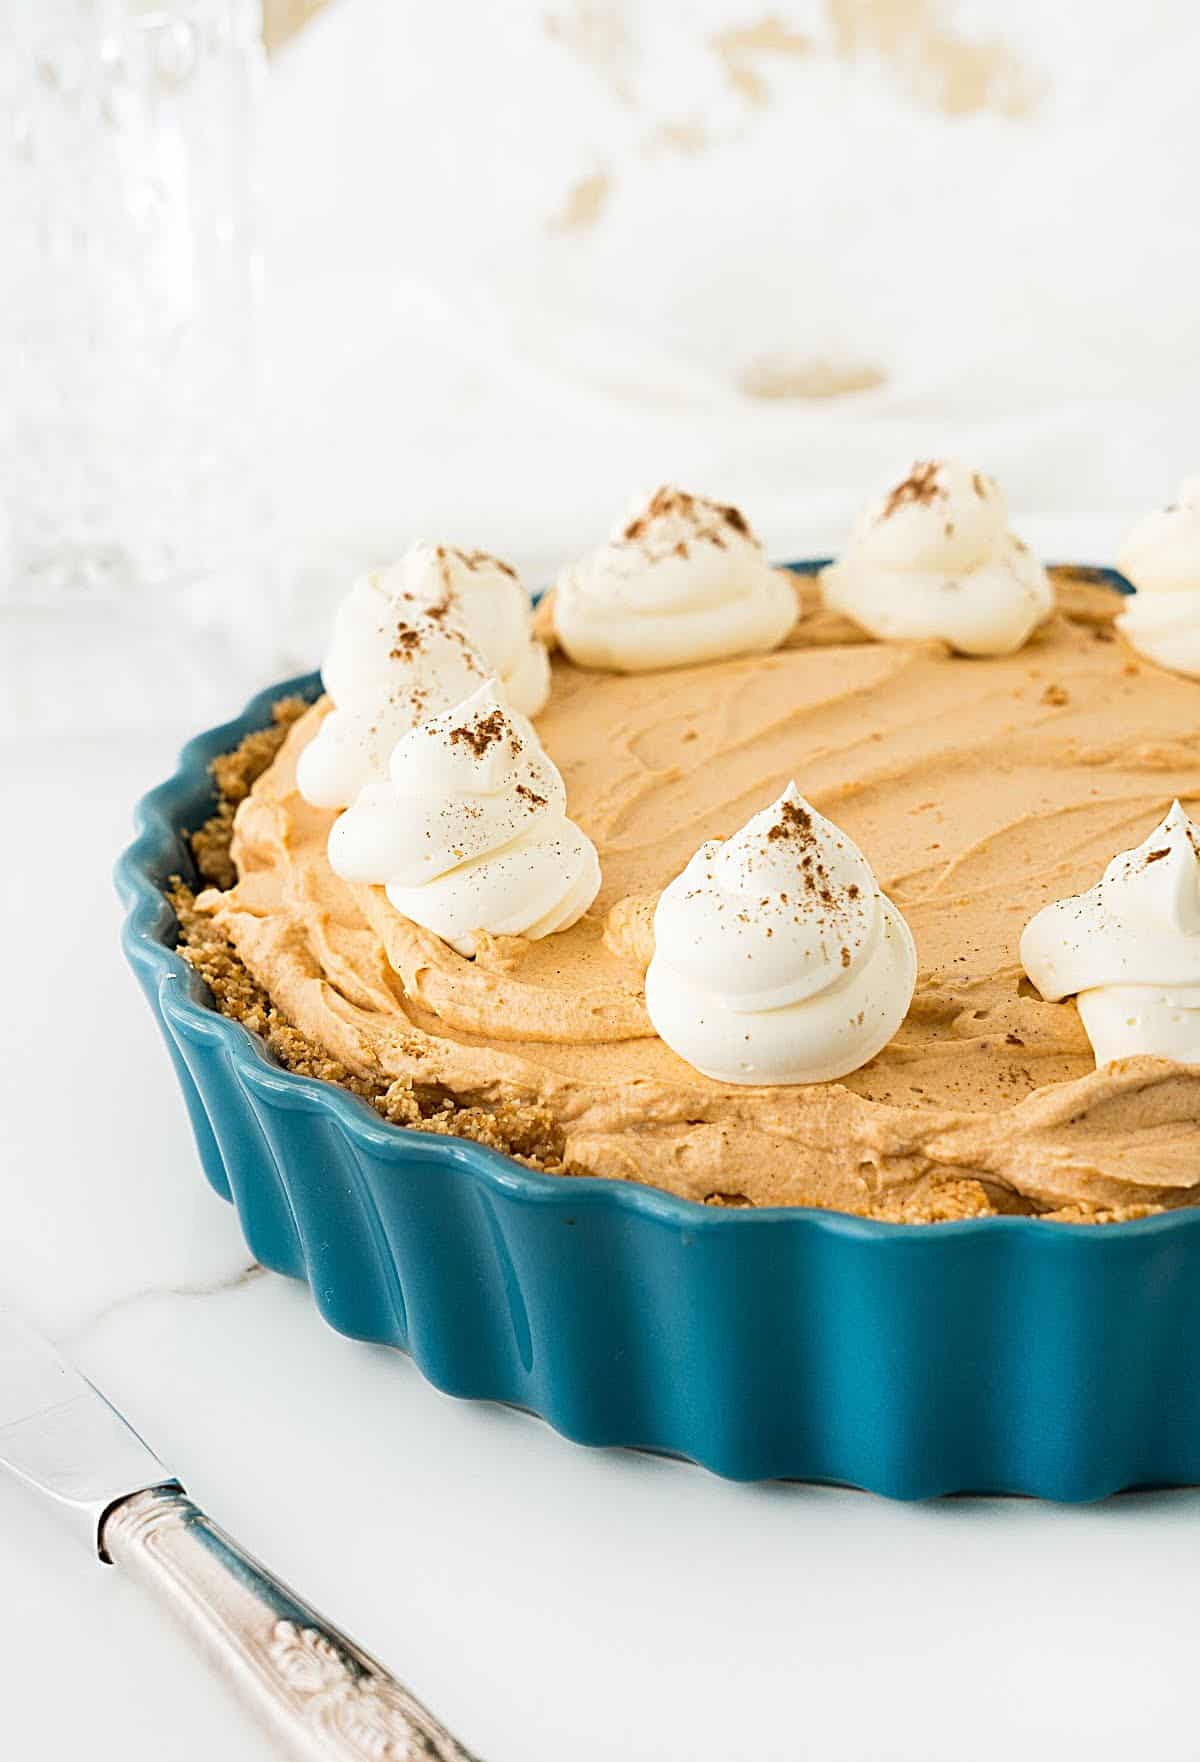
x: 429, y: 667
x: 409, y: 641
x: 935, y: 559
x: 684, y: 581
x: 469, y: 832
x: 471, y: 589
x: 1128, y: 950
x: 776, y: 957
x: 1161, y: 557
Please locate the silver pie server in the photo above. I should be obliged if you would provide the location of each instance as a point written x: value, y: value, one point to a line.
x: 322, y: 1697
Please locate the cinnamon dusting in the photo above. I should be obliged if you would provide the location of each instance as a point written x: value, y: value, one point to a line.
x: 920, y: 487
x: 481, y: 734
x: 407, y: 643
x: 794, y: 822
x: 710, y: 521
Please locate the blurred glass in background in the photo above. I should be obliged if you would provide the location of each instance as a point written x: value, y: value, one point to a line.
x: 129, y: 286
x: 129, y: 294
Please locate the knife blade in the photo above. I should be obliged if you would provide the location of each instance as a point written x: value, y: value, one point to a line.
x: 319, y: 1695
x: 62, y: 1438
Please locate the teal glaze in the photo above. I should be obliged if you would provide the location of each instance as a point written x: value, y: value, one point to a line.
x: 997, y: 1354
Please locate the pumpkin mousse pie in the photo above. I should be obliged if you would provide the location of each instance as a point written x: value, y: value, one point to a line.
x: 718, y: 878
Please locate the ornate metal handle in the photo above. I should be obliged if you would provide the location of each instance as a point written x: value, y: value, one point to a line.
x: 321, y: 1696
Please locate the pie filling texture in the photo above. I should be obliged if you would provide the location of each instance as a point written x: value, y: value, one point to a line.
x: 979, y: 789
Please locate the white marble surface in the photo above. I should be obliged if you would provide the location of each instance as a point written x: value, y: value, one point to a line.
x: 546, y: 1600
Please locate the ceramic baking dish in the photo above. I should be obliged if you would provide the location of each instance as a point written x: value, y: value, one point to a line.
x: 997, y: 1354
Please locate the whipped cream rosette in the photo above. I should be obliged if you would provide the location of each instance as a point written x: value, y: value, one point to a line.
x: 469, y: 831
x: 1128, y: 950
x: 935, y: 559
x: 1161, y: 557
x: 776, y: 957
x: 378, y: 696
x: 478, y: 592
x: 684, y: 581
x: 411, y: 640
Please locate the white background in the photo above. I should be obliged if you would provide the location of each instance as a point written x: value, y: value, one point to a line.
x: 444, y: 352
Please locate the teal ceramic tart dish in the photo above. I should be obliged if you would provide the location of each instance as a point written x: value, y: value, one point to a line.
x: 993, y: 1354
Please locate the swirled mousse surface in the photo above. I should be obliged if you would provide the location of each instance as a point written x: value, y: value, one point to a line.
x: 980, y: 789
